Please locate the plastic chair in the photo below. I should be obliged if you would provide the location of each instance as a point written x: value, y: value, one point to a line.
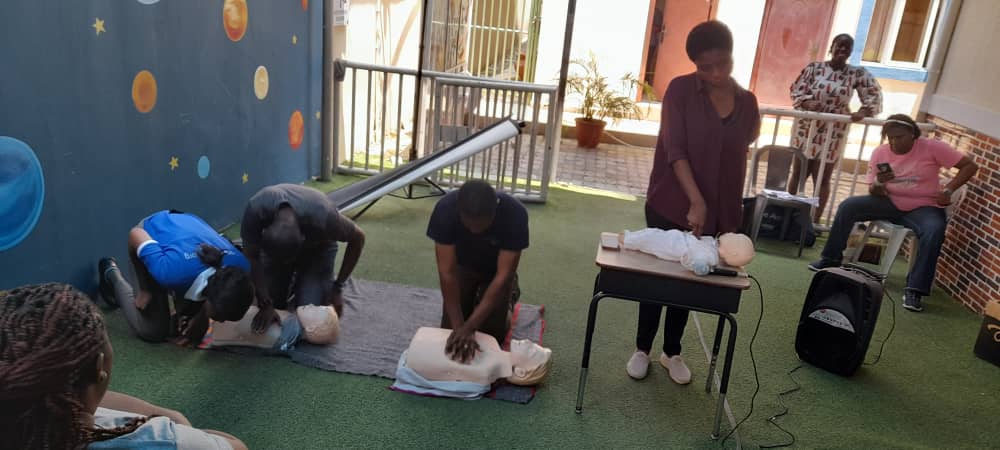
x: 895, y: 235
x: 779, y: 164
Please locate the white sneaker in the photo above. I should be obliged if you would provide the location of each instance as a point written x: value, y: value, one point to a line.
x: 675, y: 366
x: 638, y: 365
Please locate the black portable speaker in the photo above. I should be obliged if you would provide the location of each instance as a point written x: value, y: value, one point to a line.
x: 838, y: 319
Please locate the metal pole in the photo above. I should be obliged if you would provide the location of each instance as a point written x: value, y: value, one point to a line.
x: 327, y: 132
x: 561, y: 91
x: 418, y: 83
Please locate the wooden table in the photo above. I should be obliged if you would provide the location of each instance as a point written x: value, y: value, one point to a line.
x: 639, y: 277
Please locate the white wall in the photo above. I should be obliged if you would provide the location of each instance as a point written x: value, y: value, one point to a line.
x: 968, y: 93
x: 399, y: 21
x: 744, y: 18
x: 845, y: 20
x: 614, y: 31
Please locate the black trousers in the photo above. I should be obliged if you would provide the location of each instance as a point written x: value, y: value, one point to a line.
x: 649, y: 314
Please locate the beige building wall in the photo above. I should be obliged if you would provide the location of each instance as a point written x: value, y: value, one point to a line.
x: 968, y: 92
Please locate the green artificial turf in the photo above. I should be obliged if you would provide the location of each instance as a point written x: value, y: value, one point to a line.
x: 929, y: 390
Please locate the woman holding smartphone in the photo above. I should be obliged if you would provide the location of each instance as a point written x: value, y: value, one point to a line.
x: 907, y: 190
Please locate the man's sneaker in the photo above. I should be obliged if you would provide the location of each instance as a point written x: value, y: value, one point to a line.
x: 824, y: 263
x: 107, y: 291
x: 675, y: 366
x: 638, y: 365
x: 912, y: 302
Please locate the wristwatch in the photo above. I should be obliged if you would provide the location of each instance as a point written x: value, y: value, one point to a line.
x: 946, y: 191
x: 338, y: 285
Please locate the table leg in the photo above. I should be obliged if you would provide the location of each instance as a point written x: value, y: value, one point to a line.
x: 726, y: 367
x: 715, y: 354
x: 591, y: 320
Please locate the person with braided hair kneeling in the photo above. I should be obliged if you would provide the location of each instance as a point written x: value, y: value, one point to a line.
x: 179, y: 254
x: 55, y: 367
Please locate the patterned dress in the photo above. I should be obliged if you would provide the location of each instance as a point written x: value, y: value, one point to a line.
x: 833, y: 89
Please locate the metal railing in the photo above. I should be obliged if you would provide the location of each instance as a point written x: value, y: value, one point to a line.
x: 374, y: 123
x: 860, y: 139
x: 487, y: 38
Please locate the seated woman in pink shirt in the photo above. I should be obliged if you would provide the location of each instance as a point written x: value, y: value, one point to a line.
x: 906, y: 191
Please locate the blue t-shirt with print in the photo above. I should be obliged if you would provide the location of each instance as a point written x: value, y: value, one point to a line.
x: 172, y: 259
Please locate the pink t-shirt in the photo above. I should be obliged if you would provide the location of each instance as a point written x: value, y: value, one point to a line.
x: 917, y: 181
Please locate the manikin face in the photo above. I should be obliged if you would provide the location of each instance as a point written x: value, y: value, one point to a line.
x: 527, y: 355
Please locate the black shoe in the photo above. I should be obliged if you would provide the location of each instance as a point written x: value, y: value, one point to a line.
x: 105, y: 288
x: 912, y: 301
x: 824, y: 263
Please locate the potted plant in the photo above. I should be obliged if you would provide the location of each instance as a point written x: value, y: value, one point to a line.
x: 600, y: 102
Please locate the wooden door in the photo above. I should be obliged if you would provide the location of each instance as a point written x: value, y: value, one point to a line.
x: 666, y: 31
x: 793, y: 34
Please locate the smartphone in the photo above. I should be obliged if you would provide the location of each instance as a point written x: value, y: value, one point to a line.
x: 884, y: 167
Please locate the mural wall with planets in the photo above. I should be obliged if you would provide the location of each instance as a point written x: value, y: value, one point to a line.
x: 113, y: 109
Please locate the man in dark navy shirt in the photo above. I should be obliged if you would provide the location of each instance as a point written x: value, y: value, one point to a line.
x: 478, y: 235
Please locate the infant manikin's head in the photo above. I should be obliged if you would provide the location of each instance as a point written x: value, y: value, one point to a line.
x: 735, y: 249
x: 531, y: 362
x: 320, y: 324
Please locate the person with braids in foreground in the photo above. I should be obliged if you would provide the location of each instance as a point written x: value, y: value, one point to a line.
x: 55, y: 367
x: 179, y: 254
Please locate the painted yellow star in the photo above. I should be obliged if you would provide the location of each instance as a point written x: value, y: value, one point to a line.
x: 246, y: 177
x: 295, y: 39
x: 99, y: 26
x: 317, y: 115
x: 174, y: 162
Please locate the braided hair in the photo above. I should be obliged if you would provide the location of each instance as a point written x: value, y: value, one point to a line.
x: 51, y: 336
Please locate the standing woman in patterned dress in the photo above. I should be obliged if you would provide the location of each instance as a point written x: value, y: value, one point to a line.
x: 827, y: 87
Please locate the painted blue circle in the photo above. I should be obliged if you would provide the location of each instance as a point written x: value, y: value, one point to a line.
x: 22, y: 191
x: 204, y: 166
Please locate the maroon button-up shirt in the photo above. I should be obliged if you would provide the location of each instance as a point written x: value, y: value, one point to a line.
x: 691, y: 129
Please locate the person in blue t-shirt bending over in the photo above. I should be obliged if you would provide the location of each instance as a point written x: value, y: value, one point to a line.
x: 178, y: 254
x: 479, y: 235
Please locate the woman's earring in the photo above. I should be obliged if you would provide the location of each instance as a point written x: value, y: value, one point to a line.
x: 102, y: 375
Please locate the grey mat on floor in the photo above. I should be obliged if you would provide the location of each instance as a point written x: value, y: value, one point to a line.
x: 380, y: 319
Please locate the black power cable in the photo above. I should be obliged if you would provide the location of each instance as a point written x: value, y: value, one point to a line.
x: 780, y: 395
x: 753, y: 362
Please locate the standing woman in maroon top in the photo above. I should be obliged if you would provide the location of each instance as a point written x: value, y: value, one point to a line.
x: 707, y: 125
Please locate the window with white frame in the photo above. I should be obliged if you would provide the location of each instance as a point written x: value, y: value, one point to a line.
x: 900, y: 32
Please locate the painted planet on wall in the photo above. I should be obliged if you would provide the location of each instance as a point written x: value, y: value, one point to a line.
x: 204, y: 167
x: 235, y: 18
x: 296, y: 130
x: 261, y: 82
x: 144, y: 91
x: 22, y: 191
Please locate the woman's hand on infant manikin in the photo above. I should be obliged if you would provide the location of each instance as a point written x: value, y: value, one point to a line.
x: 461, y: 345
